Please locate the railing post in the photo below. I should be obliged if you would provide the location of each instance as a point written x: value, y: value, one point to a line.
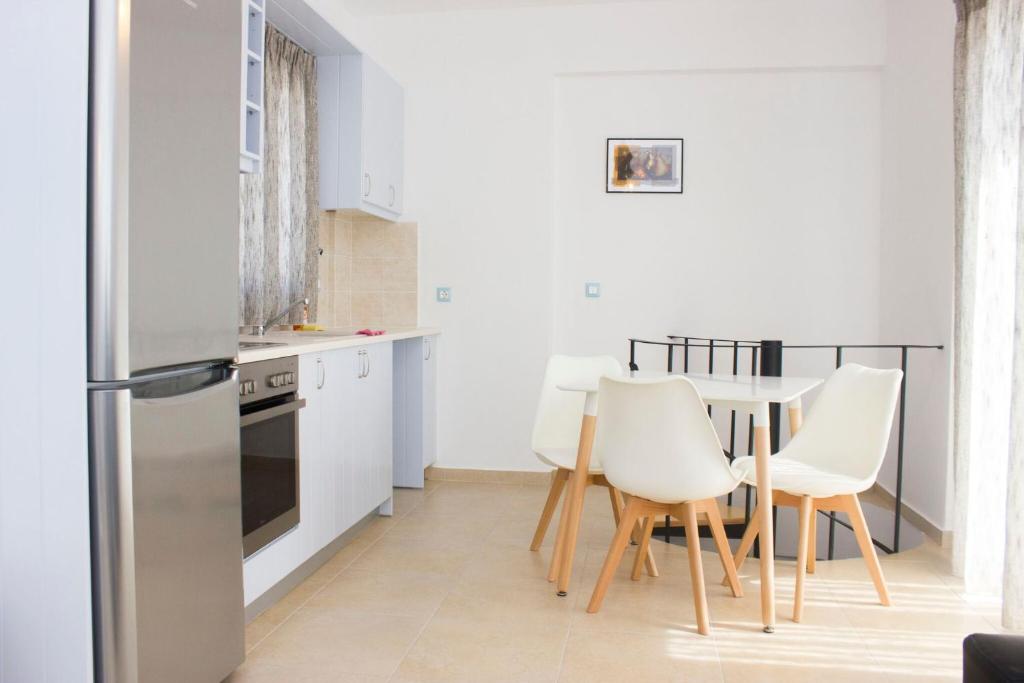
x: 899, y: 453
x: 632, y: 356
x: 832, y: 515
x: 771, y: 366
x: 671, y: 349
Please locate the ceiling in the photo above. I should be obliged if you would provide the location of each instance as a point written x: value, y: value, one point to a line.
x: 379, y: 7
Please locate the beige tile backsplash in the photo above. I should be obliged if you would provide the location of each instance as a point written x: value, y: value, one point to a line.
x: 368, y: 272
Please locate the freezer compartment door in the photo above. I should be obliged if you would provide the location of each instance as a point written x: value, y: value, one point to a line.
x: 163, y: 228
x: 167, y: 521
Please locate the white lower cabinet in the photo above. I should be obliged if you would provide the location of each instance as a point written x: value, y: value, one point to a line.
x: 357, y: 428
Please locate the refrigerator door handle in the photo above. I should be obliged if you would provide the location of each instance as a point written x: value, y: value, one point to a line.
x: 108, y: 303
x: 113, y: 533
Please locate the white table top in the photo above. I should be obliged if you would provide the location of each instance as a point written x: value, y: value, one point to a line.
x: 728, y: 388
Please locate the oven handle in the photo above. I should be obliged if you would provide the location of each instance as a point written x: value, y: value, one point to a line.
x: 276, y: 411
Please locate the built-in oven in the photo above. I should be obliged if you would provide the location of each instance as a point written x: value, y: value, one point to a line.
x: 269, y: 415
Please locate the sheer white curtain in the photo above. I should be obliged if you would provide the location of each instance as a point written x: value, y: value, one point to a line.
x: 989, y: 354
x: 280, y: 206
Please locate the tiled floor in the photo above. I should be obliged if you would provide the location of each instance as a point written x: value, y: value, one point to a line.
x: 447, y: 590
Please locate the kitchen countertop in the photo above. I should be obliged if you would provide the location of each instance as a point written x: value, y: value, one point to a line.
x: 295, y: 343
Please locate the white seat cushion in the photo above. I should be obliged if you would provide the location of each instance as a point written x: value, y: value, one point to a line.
x: 564, y: 458
x: 801, y: 479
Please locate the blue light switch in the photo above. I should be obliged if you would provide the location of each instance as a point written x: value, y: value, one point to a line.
x: 444, y: 295
x: 592, y: 290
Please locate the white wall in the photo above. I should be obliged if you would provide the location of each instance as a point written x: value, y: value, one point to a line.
x: 781, y: 190
x: 45, y: 611
x: 917, y: 237
x: 781, y: 104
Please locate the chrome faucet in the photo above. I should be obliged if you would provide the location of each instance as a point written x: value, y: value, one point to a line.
x: 260, y: 330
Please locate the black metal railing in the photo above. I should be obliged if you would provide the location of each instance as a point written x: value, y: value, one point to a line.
x: 766, y: 360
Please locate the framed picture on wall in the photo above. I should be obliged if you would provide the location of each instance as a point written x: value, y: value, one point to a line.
x: 644, y: 165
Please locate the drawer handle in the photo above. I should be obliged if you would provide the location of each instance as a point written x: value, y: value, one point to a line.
x: 369, y: 184
x: 391, y: 202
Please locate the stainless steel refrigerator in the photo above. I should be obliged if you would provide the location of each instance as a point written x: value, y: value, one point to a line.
x: 165, y: 82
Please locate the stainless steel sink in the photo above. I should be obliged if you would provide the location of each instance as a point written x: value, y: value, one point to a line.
x: 258, y: 345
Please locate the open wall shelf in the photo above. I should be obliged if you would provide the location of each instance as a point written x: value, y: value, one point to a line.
x: 251, y: 143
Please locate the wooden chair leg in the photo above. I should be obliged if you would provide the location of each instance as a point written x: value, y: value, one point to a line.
x: 722, y: 543
x: 867, y: 548
x: 746, y: 543
x: 615, y: 551
x: 700, y: 599
x: 806, y: 510
x: 636, y: 534
x: 643, y: 552
x: 557, y: 486
x: 563, y: 525
x: 812, y: 541
x: 618, y: 505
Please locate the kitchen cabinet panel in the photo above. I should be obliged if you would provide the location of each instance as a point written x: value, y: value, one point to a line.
x: 345, y: 454
x: 362, y: 121
x: 415, y: 409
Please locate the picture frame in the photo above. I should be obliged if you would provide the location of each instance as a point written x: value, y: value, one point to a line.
x: 644, y: 166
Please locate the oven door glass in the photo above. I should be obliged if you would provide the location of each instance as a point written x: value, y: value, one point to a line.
x: 270, y: 504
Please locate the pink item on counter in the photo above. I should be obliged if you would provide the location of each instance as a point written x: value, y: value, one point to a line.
x: 370, y: 333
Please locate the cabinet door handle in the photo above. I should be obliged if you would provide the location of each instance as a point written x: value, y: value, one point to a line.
x: 321, y: 374
x: 367, y: 353
x: 391, y: 202
x: 369, y: 184
x: 429, y: 348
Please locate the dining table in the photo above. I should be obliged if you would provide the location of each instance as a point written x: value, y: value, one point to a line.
x: 751, y: 394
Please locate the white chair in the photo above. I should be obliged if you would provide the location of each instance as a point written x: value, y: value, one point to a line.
x: 556, y: 436
x: 835, y: 455
x: 657, y: 444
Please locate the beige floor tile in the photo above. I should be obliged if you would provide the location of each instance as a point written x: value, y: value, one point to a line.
x: 447, y: 590
x: 753, y: 669
x: 339, y: 641
x: 394, y: 592
x: 453, y: 650
x: 278, y: 613
x: 263, y: 671
x: 616, y: 657
x: 465, y: 529
x: 406, y: 500
x: 504, y: 601
x: 439, y: 555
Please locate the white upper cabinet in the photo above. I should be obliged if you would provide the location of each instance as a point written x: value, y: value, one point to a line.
x: 362, y: 119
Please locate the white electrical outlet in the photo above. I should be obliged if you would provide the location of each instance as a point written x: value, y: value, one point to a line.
x: 444, y: 295
x: 592, y: 290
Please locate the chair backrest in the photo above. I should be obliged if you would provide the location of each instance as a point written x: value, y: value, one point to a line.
x: 846, y: 431
x: 559, y: 413
x: 655, y: 440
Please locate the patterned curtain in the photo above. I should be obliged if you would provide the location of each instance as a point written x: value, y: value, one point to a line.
x: 989, y: 319
x: 280, y: 205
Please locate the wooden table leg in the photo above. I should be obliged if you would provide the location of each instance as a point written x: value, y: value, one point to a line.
x: 762, y: 455
x: 575, y: 497
x: 796, y: 416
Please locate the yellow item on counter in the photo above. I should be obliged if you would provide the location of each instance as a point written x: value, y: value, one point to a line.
x: 307, y: 328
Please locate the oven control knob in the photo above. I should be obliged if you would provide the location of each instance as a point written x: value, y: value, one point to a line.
x: 250, y: 386
x: 290, y: 378
x: 274, y: 381
x: 241, y: 389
